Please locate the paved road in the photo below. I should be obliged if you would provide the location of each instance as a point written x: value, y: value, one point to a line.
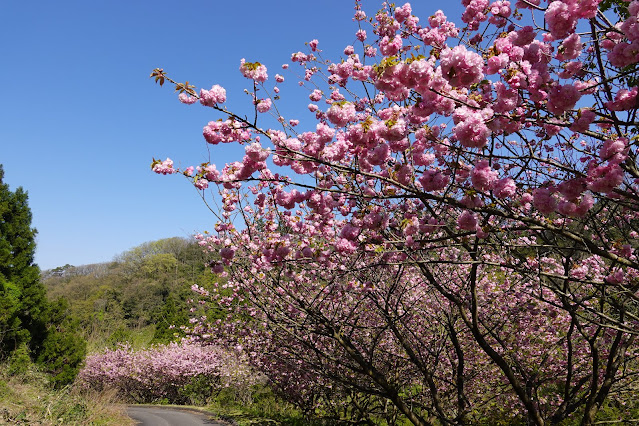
x: 168, y: 416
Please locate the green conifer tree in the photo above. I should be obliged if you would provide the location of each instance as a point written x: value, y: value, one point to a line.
x: 26, y: 316
x: 19, y: 277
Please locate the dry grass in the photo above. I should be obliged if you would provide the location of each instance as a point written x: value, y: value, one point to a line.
x: 27, y: 399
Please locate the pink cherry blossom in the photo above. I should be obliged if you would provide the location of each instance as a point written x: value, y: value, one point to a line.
x: 500, y: 11
x: 544, y: 201
x: 216, y: 95
x: 187, y: 99
x: 164, y: 167
x: 562, y: 98
x: 461, y: 67
x: 583, y: 121
x: 471, y: 129
x: 390, y: 47
x: 570, y: 48
x: 402, y: 13
x: 433, y: 180
x: 467, y: 221
x: 505, y: 188
x: 483, y: 176
x: 614, y: 150
x: 263, y: 105
x: 475, y: 13
x: 341, y: 114
x: 561, y: 18
x: 624, y: 100
x: 253, y: 70
x: 573, y: 188
x: 426, y: 205
x: 316, y: 95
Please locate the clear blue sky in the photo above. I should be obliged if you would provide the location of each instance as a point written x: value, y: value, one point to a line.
x: 81, y: 120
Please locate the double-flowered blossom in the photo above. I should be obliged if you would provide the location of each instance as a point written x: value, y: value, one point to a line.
x: 253, y: 70
x: 505, y: 188
x: 561, y: 18
x: 440, y: 30
x: 544, y: 200
x: 225, y: 132
x: 475, y: 12
x: 624, y: 100
x: 470, y: 127
x: 341, y: 113
x: 216, y: 95
x: 163, y: 167
x: 390, y: 47
x: 570, y: 48
x: 263, y: 105
x: 461, y: 67
x: 187, y: 99
x: 483, y: 176
x: 500, y: 11
x: 467, y: 221
x: 584, y: 118
x: 433, y: 180
x: 562, y: 98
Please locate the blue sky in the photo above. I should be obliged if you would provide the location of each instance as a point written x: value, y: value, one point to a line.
x: 81, y: 120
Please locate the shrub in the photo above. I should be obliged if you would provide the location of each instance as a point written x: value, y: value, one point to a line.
x: 176, y: 373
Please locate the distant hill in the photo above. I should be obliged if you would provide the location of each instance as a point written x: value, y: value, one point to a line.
x: 146, y: 287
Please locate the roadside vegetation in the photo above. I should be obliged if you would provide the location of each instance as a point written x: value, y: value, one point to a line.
x: 26, y: 398
x: 133, y: 312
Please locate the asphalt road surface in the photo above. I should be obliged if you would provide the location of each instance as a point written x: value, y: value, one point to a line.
x: 168, y: 416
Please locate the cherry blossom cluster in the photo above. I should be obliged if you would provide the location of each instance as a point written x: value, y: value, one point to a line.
x: 458, y: 214
x: 163, y: 167
x: 164, y: 372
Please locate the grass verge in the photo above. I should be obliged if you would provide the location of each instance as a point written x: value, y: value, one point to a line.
x: 26, y: 398
x: 261, y: 407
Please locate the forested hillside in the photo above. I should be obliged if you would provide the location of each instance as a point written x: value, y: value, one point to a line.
x: 145, y: 289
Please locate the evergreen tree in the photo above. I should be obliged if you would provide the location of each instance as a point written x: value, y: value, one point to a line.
x: 26, y: 316
x: 173, y: 314
x: 63, y: 349
x: 19, y: 277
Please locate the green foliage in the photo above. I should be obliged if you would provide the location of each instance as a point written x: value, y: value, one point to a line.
x: 198, y: 391
x: 119, y: 335
x: 172, y: 315
x: 63, y: 350
x: 147, y: 286
x: 620, y: 7
x: 31, y: 328
x: 614, y: 410
x: 137, y: 338
x: 261, y: 407
x: 19, y: 361
x: 25, y: 320
x: 11, y: 334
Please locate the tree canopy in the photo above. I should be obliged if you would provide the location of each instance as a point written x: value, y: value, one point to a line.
x: 453, y: 231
